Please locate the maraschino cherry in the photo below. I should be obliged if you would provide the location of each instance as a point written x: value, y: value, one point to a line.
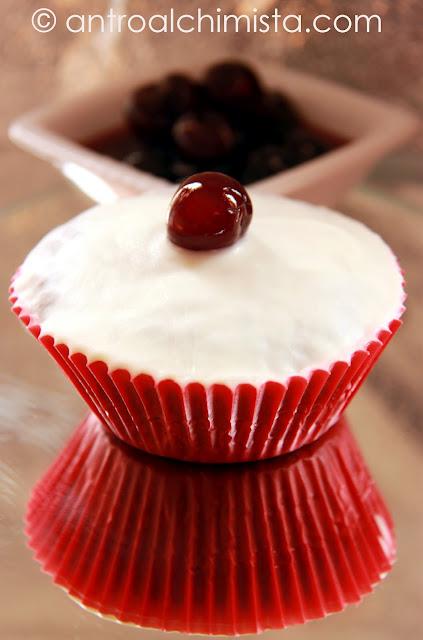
x: 210, y: 210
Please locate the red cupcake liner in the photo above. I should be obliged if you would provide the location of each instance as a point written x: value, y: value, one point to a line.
x: 210, y: 549
x: 213, y: 423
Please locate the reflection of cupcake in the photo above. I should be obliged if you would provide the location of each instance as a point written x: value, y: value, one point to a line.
x: 234, y: 354
x: 203, y: 549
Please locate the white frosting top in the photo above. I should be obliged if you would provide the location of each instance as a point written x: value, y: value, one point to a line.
x: 304, y: 287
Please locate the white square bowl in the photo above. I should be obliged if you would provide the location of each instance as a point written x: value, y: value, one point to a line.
x: 371, y: 127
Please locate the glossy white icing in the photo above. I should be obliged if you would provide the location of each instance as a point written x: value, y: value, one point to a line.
x: 305, y: 287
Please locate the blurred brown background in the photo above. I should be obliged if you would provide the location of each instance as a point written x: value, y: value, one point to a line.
x: 37, y: 407
x: 37, y: 66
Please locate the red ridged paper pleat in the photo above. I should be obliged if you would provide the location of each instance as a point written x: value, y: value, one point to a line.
x: 214, y: 423
x: 210, y: 549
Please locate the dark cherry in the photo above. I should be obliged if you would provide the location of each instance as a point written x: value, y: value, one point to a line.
x: 302, y: 146
x: 209, y: 210
x: 146, y: 112
x: 181, y: 168
x: 180, y: 94
x: 278, y: 108
x: 273, y: 117
x: 150, y: 158
x: 203, y: 135
x: 265, y: 161
x: 233, y: 84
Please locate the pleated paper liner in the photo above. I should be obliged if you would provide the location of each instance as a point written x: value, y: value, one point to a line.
x: 214, y: 423
x: 210, y: 549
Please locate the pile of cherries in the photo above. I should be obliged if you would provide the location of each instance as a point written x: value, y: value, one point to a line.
x: 228, y: 123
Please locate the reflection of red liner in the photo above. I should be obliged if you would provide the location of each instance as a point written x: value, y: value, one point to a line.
x: 210, y: 549
x: 214, y: 423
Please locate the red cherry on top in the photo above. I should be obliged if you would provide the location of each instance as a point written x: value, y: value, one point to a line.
x: 210, y: 210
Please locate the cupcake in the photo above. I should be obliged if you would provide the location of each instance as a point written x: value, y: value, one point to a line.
x: 210, y: 549
x: 229, y: 329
